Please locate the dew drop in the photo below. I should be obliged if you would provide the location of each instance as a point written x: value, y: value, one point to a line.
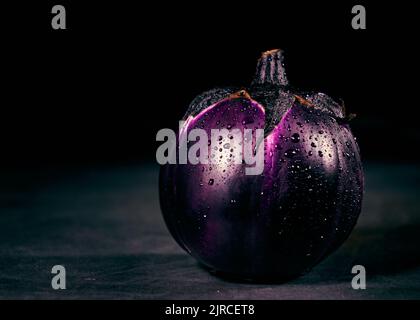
x: 290, y: 153
x: 295, y: 137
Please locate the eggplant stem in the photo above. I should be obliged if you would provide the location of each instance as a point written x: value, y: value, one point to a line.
x: 270, y: 69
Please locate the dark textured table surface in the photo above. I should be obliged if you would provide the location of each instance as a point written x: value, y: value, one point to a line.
x: 104, y: 225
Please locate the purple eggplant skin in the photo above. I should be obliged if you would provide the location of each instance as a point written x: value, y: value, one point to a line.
x: 277, y: 225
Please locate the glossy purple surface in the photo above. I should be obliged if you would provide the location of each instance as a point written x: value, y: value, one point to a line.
x: 276, y: 225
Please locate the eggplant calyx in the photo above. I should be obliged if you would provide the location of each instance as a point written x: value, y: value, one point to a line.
x: 208, y: 98
x: 351, y: 116
x: 303, y: 101
x: 347, y: 117
x: 240, y: 94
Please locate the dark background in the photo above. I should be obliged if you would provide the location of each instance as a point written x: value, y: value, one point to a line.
x: 80, y: 109
x: 99, y: 91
